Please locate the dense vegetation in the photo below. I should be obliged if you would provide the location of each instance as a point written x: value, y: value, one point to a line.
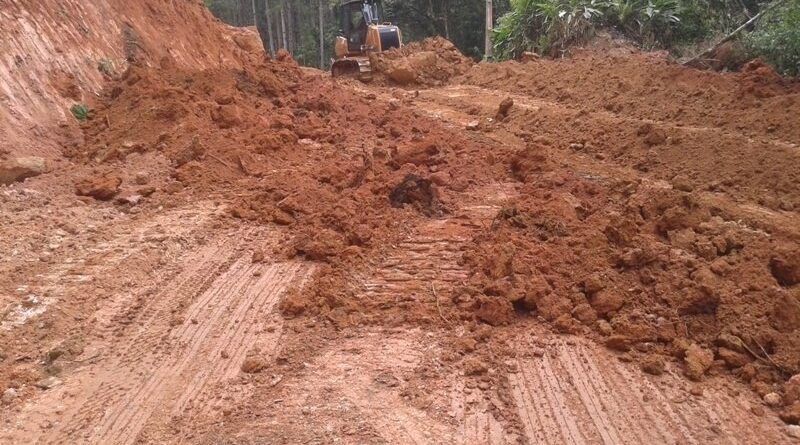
x: 776, y: 38
x: 551, y: 26
x: 461, y: 21
x: 548, y: 27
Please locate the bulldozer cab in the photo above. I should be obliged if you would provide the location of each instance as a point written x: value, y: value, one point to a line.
x: 356, y: 16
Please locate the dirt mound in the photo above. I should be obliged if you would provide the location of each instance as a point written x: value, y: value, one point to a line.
x: 644, y: 112
x: 754, y: 101
x: 432, y: 62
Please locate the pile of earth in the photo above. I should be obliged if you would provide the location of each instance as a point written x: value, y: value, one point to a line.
x: 432, y: 62
x: 754, y: 102
x: 683, y: 242
x: 729, y: 135
x: 342, y: 173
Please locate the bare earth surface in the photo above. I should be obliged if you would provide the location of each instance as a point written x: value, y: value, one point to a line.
x: 233, y: 250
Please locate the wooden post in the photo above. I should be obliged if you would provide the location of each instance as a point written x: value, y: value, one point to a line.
x: 489, y: 28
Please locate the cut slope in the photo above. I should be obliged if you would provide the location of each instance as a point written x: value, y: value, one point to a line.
x: 57, y: 53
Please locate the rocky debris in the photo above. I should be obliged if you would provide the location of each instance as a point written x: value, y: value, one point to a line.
x: 102, y: 187
x: 651, y: 135
x: 141, y: 178
x: 698, y: 360
x: 128, y: 198
x: 195, y: 150
x: 607, y: 301
x: 253, y: 365
x: 786, y: 268
x: 402, y: 72
x: 433, y: 61
x: 653, y: 365
x: 773, y: 399
x: 792, y: 390
x: 785, y: 315
x: 9, y: 395
x: 19, y: 169
x: 48, y: 383
x: 418, y: 192
x: 791, y: 414
x: 504, y: 108
x: 418, y: 153
x: 793, y: 431
x: 494, y: 311
x: 732, y: 358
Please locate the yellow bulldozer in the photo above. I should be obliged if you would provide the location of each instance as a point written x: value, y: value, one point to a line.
x: 362, y: 33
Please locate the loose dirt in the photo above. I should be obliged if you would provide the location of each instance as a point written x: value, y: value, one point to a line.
x: 601, y: 249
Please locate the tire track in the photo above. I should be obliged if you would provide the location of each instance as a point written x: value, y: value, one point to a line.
x: 191, y: 336
x: 580, y: 393
x: 236, y: 298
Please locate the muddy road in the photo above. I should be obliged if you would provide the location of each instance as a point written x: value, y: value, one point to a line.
x: 601, y: 249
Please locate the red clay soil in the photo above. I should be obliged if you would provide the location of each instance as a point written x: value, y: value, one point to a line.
x: 658, y: 258
x: 660, y: 116
x: 431, y: 62
x: 663, y: 265
x: 652, y: 270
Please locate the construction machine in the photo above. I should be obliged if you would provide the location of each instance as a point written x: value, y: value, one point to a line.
x: 362, y: 33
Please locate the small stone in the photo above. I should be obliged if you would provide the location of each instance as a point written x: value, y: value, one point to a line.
x: 607, y: 301
x: 696, y: 390
x: 604, y: 328
x: 48, y: 383
x: 773, y: 399
x: 504, y: 108
x: 698, y: 360
x: 653, y: 365
x: 791, y: 414
x: 9, y: 395
x: 732, y: 358
x: 792, y: 390
x: 473, y: 126
x: 253, y: 365
x: 793, y: 431
x: 102, y: 188
x: 141, y: 178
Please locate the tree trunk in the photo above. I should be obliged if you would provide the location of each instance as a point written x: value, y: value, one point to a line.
x: 283, y: 29
x: 445, y: 14
x: 321, y: 36
x: 489, y: 27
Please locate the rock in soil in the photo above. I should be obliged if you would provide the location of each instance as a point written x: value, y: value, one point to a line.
x: 102, y: 188
x: 791, y: 414
x: 773, y: 399
x: 698, y: 360
x: 19, y: 169
x: 253, y: 365
x: 419, y: 192
x: 504, y: 108
x: 9, y: 395
x: 792, y: 390
x: 653, y: 365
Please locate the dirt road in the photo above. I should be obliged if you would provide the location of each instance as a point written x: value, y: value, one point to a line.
x: 600, y: 249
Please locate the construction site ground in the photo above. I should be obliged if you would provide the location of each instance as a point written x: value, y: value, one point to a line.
x: 600, y: 249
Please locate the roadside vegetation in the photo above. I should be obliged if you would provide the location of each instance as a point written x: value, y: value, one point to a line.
x: 551, y: 27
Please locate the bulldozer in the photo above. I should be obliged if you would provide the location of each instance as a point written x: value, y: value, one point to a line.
x: 362, y: 33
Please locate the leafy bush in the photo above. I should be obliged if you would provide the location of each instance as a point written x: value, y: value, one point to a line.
x: 776, y: 38
x: 550, y: 26
x: 546, y: 26
x: 80, y: 112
